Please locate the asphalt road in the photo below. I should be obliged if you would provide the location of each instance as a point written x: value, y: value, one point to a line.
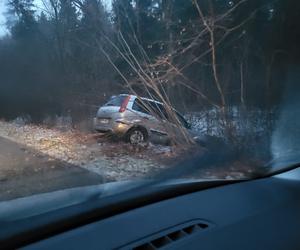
x: 24, y: 171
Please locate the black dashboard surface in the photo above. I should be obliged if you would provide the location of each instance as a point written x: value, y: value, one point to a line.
x: 258, y: 214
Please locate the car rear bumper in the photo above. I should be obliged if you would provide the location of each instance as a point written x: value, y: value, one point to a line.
x: 113, y: 127
x: 98, y: 126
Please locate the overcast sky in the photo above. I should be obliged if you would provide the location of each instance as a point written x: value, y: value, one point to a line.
x: 2, y: 18
x: 3, y: 10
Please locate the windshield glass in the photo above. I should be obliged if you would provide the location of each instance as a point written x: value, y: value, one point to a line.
x: 205, y: 90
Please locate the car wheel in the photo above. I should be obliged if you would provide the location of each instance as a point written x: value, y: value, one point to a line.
x: 136, y: 136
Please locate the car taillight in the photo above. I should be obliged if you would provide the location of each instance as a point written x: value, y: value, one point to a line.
x: 124, y: 104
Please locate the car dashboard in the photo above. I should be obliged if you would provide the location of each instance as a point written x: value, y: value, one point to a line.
x: 257, y: 214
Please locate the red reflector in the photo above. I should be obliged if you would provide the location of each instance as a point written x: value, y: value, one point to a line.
x: 124, y: 104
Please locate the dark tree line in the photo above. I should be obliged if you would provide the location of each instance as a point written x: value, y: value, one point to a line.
x: 68, y: 56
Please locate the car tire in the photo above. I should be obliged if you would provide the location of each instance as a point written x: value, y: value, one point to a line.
x: 137, y: 136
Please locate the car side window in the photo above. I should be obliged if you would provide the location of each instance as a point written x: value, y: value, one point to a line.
x: 150, y: 108
x: 140, y: 107
x: 159, y: 110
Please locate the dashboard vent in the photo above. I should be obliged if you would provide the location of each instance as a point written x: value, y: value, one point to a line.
x: 169, y: 236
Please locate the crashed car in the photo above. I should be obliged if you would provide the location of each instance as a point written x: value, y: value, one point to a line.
x: 138, y: 119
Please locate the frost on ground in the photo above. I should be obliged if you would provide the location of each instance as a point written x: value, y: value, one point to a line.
x: 110, y: 160
x: 211, y: 121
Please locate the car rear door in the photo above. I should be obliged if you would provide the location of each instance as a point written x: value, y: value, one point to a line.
x: 149, y: 112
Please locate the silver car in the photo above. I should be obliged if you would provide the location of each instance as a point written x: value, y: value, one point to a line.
x: 138, y: 120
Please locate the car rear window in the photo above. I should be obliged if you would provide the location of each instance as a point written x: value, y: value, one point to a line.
x: 116, y: 101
